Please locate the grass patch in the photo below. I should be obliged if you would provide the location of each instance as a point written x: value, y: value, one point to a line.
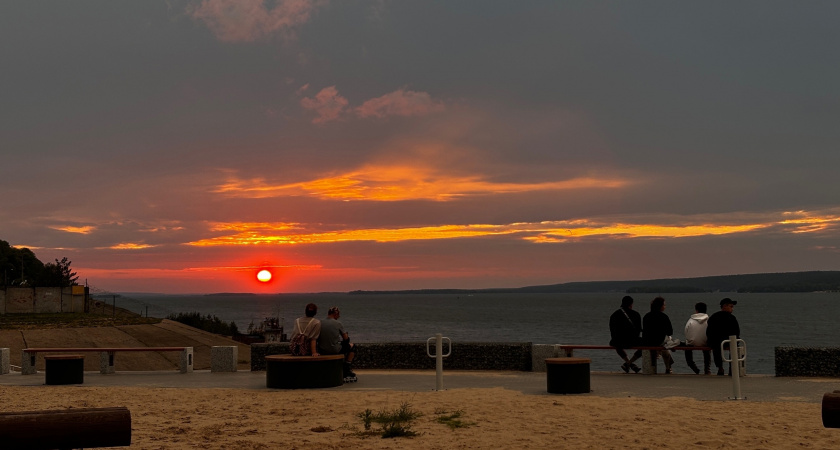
x: 395, y: 423
x: 452, y: 420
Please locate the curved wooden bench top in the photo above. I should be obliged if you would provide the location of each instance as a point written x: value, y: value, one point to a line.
x: 568, y: 360
x: 60, y: 357
x: 290, y: 358
x: 638, y: 347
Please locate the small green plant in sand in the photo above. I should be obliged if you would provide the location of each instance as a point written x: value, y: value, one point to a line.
x: 452, y: 420
x: 396, y: 423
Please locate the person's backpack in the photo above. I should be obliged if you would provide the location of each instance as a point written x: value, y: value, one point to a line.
x: 298, y: 345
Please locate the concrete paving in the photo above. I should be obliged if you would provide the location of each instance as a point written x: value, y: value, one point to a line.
x: 759, y: 388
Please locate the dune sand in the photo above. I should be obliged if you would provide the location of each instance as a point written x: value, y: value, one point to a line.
x: 168, y: 418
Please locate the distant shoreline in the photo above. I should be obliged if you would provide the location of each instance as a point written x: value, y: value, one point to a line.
x: 783, y: 282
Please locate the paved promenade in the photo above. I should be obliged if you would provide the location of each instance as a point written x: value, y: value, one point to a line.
x: 759, y: 388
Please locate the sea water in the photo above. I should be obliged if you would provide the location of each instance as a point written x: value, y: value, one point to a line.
x: 767, y: 320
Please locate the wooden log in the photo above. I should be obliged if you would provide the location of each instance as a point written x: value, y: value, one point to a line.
x: 831, y: 409
x: 70, y: 428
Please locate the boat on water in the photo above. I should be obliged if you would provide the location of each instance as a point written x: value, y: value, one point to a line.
x: 271, y: 329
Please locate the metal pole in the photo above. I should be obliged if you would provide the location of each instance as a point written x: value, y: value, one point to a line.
x: 735, y: 358
x: 439, y: 362
x: 438, y: 357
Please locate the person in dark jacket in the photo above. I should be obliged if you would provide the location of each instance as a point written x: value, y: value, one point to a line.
x: 722, y: 324
x: 625, y: 326
x: 655, y: 327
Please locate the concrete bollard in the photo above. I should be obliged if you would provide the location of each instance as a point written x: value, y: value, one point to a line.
x: 186, y: 362
x: 5, y: 362
x: 106, y: 363
x: 539, y: 353
x: 223, y: 358
x: 27, y: 363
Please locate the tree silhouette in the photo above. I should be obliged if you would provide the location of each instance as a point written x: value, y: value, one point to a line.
x: 58, y: 274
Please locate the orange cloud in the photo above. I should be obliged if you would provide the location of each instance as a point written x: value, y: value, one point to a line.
x: 400, y: 103
x: 130, y: 246
x: 539, y: 232
x: 80, y: 230
x: 251, y: 20
x: 809, y: 224
x: 403, y: 182
x: 328, y: 104
x: 622, y: 230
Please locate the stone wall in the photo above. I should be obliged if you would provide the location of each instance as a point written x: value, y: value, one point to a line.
x: 412, y: 355
x: 808, y: 361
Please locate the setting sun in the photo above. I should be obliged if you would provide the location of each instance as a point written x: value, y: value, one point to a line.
x: 264, y: 276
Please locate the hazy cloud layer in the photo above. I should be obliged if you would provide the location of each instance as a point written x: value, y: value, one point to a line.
x: 252, y: 20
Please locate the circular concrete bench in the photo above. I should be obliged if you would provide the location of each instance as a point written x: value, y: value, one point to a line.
x: 65, y: 369
x: 304, y: 372
x: 567, y: 375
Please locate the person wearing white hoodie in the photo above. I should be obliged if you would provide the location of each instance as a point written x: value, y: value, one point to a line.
x: 695, y: 336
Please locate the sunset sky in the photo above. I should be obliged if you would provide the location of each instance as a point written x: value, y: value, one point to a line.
x: 182, y: 146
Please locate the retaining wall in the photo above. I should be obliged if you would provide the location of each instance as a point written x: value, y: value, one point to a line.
x: 807, y: 361
x: 25, y: 300
x: 412, y: 355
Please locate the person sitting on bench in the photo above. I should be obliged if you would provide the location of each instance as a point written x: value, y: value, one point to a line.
x: 334, y: 340
x: 625, y: 327
x: 304, y: 340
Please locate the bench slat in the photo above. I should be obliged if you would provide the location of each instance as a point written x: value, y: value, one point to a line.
x: 105, y: 349
x: 608, y: 347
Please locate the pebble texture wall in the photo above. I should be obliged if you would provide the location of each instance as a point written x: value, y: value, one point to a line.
x: 412, y: 355
x: 808, y: 361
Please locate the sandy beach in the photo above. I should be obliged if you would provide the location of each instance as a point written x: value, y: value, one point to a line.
x: 216, y: 418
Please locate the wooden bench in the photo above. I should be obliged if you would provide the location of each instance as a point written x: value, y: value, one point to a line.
x: 648, y: 363
x: 64, y: 369
x: 304, y: 372
x: 71, y: 428
x: 106, y: 356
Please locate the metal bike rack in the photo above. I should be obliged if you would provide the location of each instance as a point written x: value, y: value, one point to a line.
x: 439, y: 355
x: 737, y: 354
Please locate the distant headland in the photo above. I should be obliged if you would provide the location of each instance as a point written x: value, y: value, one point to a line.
x: 815, y: 281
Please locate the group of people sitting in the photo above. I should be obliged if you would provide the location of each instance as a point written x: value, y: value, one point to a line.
x: 628, y: 329
x: 313, y: 337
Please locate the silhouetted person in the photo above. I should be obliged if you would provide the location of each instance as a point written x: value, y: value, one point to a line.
x: 655, y: 327
x: 722, y: 324
x: 625, y: 327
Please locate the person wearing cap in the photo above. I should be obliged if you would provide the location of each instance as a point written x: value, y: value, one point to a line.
x: 625, y: 326
x: 721, y: 325
x: 334, y: 340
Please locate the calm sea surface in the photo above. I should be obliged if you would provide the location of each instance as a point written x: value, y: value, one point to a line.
x: 767, y: 320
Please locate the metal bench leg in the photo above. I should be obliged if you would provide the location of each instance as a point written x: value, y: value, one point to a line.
x: 649, y: 362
